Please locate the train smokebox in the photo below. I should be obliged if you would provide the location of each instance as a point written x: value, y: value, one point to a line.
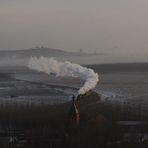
x: 84, y: 96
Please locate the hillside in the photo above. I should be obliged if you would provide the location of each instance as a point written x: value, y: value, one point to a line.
x: 36, y: 52
x: 20, y: 57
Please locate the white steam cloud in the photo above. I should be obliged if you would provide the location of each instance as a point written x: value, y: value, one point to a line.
x: 50, y: 65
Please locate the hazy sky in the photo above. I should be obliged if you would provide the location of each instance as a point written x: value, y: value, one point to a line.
x: 91, y: 25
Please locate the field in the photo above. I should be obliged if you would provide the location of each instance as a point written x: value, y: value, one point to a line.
x: 34, y: 110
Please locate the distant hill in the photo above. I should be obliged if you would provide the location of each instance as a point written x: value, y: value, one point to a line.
x: 40, y: 51
x: 21, y: 57
x: 35, y: 52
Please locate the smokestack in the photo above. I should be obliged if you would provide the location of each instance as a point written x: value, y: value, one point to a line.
x: 74, y: 114
x: 50, y: 65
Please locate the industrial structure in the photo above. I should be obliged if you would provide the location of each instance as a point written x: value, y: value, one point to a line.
x: 73, y: 117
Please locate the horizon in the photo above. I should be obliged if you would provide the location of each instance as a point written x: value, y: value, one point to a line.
x: 117, y: 28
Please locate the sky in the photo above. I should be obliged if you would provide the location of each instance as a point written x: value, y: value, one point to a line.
x: 109, y: 26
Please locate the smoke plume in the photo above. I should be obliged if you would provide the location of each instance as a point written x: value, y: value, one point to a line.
x: 50, y: 65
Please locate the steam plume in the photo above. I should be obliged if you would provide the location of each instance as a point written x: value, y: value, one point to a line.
x: 50, y: 65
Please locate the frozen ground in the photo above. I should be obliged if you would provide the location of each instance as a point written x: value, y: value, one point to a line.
x: 129, y: 85
x: 25, y: 85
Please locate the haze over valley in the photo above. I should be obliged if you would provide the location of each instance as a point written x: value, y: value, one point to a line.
x: 21, y: 57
